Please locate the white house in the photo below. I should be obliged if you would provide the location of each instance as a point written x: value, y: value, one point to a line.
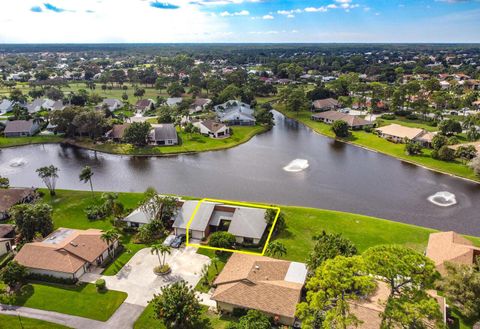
x: 6, y: 106
x: 212, y: 128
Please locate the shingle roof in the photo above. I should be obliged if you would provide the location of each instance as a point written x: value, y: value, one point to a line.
x: 144, y: 103
x: 202, y: 215
x: 18, y: 126
x: 325, y: 103
x: 11, y: 196
x: 452, y: 247
x: 213, y: 125
x: 248, y: 222
x: 257, y: 282
x: 164, y: 131
x: 118, y: 131
x: 6, y: 229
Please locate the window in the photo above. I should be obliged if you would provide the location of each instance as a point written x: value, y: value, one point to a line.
x: 248, y: 240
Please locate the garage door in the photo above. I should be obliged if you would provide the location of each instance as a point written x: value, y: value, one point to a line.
x: 197, y: 234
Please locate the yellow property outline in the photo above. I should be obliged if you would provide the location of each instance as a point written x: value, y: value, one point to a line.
x: 227, y: 202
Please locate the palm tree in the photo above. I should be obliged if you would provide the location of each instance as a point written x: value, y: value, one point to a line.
x: 109, y: 237
x: 215, y: 261
x: 161, y: 250
x: 86, y: 176
x: 49, y: 176
x: 204, y: 274
x: 276, y: 248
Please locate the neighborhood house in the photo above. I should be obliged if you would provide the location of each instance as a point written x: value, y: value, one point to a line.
x: 66, y: 253
x: 269, y: 285
x: 7, y: 237
x: 450, y: 247
x: 246, y: 224
x: 235, y: 113
x: 213, y: 128
x: 13, y: 196
x: 397, y: 134
x: 117, y: 132
x: 329, y: 117
x: 21, y: 128
x: 328, y: 104
x: 163, y: 134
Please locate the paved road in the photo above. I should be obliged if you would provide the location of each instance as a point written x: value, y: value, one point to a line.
x: 123, y: 318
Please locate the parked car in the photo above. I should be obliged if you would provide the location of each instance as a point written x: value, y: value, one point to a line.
x: 178, y: 241
x: 168, y: 240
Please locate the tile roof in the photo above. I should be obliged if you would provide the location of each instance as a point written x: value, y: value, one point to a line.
x: 257, y: 282
x: 6, y: 229
x: 213, y: 125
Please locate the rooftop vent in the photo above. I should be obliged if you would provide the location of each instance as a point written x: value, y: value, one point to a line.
x: 74, y: 244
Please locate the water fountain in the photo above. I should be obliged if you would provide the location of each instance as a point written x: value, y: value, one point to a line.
x: 297, y: 165
x: 443, y: 199
x: 17, y: 162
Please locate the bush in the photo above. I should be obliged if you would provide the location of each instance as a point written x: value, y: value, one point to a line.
x: 402, y: 113
x: 95, y: 212
x: 438, y: 141
x: 444, y: 153
x: 101, y: 285
x: 222, y: 240
x: 453, y: 140
x: 50, y: 278
x: 388, y: 116
x: 340, y: 128
x: 413, y: 148
x: 412, y: 116
x: 162, y: 269
x: 475, y: 165
x: 5, y: 260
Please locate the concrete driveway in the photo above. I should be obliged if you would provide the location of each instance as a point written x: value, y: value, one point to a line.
x: 137, y: 279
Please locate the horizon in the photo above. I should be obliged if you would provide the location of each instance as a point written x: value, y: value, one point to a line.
x: 240, y: 21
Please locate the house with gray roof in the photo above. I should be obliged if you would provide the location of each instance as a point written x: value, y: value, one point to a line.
x: 235, y: 113
x: 39, y: 104
x: 163, y: 134
x: 21, y: 128
x: 6, y: 106
x: 173, y: 101
x: 247, y: 224
x: 112, y: 104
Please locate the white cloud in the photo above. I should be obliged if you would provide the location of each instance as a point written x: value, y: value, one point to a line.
x: 101, y: 21
x: 237, y: 13
x: 267, y: 17
x: 316, y: 10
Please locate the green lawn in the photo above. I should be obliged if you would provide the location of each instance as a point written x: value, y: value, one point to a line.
x: 18, y: 141
x: 213, y: 271
x: 189, y: 143
x: 373, y: 142
x: 13, y: 322
x: 209, y: 320
x: 80, y: 300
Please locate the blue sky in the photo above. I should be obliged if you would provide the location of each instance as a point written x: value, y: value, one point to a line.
x: 240, y: 21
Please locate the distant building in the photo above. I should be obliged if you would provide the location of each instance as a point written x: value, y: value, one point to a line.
x: 353, y: 121
x: 7, y: 238
x: 12, y: 196
x: 398, y: 133
x: 164, y: 134
x: 6, y: 106
x: 112, y: 104
x: 199, y: 104
x: 21, y: 128
x: 117, y: 132
x: 234, y: 113
x: 327, y: 104
x: 213, y: 128
x: 144, y: 105
x: 174, y: 101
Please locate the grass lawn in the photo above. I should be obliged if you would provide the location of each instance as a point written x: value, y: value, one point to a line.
x: 13, y: 322
x: 209, y: 320
x: 373, y: 142
x: 18, y: 141
x: 213, y: 271
x: 189, y: 143
x: 80, y: 300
